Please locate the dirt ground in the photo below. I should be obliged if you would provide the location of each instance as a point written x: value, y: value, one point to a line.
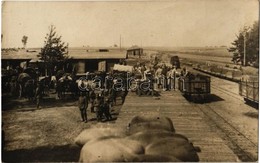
x: 45, y: 134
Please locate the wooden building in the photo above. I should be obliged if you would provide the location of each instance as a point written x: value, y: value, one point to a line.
x: 80, y: 59
x: 134, y: 52
x: 13, y: 58
x: 95, y: 60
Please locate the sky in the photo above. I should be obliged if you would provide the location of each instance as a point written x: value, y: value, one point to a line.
x: 172, y: 23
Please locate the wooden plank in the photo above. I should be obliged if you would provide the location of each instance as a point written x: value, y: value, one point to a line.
x: 187, y: 119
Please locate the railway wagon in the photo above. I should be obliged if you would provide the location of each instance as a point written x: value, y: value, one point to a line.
x: 195, y: 87
x: 175, y: 61
x: 248, y: 88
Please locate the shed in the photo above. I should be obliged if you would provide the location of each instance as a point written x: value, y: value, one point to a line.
x: 134, y: 51
x: 18, y: 57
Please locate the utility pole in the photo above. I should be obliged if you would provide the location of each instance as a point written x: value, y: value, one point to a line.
x: 244, y: 48
x: 246, y: 29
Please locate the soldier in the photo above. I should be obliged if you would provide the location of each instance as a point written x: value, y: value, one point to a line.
x: 83, y: 105
x: 158, y: 77
x: 184, y: 72
x: 106, y: 109
x: 92, y: 99
x: 97, y: 107
x: 173, y: 77
x: 164, y: 76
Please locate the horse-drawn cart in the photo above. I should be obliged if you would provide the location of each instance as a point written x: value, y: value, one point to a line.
x: 120, y: 84
x: 195, y: 86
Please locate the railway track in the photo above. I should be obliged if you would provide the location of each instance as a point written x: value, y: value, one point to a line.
x: 222, y: 90
x: 243, y: 147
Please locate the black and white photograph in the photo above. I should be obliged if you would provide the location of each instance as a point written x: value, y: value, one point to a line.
x: 130, y: 81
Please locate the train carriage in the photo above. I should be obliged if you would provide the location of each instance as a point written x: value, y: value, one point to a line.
x: 195, y: 87
x: 249, y: 88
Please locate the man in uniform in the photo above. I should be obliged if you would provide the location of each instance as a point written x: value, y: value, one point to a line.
x: 173, y: 77
x: 97, y: 107
x: 83, y: 105
x: 106, y: 109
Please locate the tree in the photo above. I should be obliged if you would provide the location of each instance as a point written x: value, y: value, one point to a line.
x: 24, y: 41
x: 54, y: 51
x: 248, y: 36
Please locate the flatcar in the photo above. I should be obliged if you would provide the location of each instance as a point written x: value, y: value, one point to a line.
x: 195, y: 87
x: 249, y: 88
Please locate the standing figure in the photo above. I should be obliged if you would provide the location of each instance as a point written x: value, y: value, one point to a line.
x: 164, y: 76
x: 106, y: 109
x: 92, y: 100
x: 184, y: 72
x: 158, y: 77
x: 169, y: 79
x: 173, y: 77
x: 83, y: 105
x: 97, y: 107
x: 38, y: 94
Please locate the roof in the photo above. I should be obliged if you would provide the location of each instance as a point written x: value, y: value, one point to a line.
x: 20, y: 54
x: 134, y: 48
x: 80, y: 53
x: 74, y: 53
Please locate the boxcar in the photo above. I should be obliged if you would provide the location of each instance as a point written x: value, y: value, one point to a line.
x: 175, y: 61
x: 195, y: 86
x: 248, y: 88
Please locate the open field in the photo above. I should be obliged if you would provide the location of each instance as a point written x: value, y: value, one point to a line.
x: 218, y: 56
x: 204, y: 51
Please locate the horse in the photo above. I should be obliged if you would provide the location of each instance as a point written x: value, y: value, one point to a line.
x: 66, y: 84
x: 29, y: 89
x: 119, y: 89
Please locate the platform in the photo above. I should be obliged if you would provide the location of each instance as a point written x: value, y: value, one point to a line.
x: 187, y: 119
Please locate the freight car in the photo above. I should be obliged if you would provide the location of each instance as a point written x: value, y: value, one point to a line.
x: 249, y: 88
x: 175, y: 61
x: 195, y: 87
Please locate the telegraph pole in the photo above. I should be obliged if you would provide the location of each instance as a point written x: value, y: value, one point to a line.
x: 244, y: 48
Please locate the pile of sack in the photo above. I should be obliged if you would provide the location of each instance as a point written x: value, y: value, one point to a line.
x: 146, y: 139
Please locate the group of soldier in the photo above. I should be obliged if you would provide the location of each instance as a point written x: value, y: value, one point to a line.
x: 97, y: 102
x: 161, y: 76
